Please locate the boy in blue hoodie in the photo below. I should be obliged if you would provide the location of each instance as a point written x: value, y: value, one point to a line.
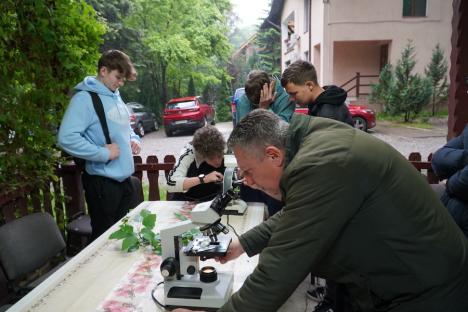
x: 108, y: 168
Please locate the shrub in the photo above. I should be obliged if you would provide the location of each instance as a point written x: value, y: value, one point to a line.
x: 46, y: 48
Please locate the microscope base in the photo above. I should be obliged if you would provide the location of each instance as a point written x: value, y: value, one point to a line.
x: 191, y: 292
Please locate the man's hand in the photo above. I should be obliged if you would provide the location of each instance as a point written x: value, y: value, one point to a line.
x: 267, y: 95
x: 214, y: 176
x: 114, y: 151
x: 234, y: 251
x: 135, y: 147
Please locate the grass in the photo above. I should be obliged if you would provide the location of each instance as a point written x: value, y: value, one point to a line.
x: 162, y: 191
x: 422, y: 121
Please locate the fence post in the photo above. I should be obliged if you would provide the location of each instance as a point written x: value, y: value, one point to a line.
x: 431, y: 176
x: 358, y: 83
x: 153, y: 179
x: 73, y: 188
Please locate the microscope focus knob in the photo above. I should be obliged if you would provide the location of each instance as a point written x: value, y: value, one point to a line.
x: 168, y: 267
x: 191, y: 270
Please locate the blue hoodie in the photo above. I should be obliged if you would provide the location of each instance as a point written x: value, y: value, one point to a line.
x: 282, y: 106
x: 81, y: 134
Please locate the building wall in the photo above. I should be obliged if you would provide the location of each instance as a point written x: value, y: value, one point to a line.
x: 338, y: 21
x: 383, y: 20
x: 351, y: 57
x: 292, y: 11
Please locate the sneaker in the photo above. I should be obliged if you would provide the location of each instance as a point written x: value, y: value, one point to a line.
x: 316, y: 293
x: 324, y: 306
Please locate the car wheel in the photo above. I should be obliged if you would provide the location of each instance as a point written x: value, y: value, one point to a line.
x: 168, y: 132
x: 141, y: 130
x: 155, y: 126
x: 360, y: 123
x: 204, y: 123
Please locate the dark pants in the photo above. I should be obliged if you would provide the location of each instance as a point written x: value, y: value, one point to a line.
x: 338, y: 294
x: 108, y: 201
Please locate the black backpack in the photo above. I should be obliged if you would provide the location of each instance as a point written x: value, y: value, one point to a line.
x: 99, y: 108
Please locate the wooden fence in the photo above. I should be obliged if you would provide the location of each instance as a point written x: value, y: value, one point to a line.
x: 65, y: 198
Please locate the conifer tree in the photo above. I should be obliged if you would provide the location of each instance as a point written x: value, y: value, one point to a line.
x: 191, y: 87
x: 381, y: 91
x: 436, y: 71
x: 410, y: 92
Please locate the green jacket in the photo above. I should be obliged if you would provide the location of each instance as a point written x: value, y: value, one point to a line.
x: 282, y: 106
x: 358, y: 213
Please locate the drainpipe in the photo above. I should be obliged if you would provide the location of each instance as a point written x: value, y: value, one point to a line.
x: 310, y: 32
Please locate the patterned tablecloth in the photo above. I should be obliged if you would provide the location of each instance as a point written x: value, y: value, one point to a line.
x: 103, y: 278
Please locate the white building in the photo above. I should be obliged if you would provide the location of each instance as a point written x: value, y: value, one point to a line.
x: 343, y: 37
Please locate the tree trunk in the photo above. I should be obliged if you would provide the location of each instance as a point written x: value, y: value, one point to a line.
x: 163, y: 83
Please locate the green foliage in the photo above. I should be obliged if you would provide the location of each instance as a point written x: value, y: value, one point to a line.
x: 436, y: 71
x: 381, y: 91
x: 402, y: 92
x: 132, y: 240
x: 173, y: 46
x: 46, y: 47
x: 269, y: 51
x: 219, y: 96
x: 223, y: 112
x: 191, y: 87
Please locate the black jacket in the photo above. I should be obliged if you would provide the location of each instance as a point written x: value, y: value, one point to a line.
x: 331, y: 104
x: 451, y: 162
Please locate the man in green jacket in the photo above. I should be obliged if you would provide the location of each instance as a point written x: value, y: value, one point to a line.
x: 263, y: 91
x: 357, y: 212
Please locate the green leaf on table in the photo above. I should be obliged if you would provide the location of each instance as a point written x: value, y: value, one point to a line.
x: 130, y: 243
x: 180, y: 217
x: 127, y: 229
x: 144, y: 213
x: 123, y: 232
x: 147, y: 234
x: 149, y: 221
x: 156, y: 244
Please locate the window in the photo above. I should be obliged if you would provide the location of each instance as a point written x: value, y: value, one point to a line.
x: 306, y: 15
x: 181, y: 105
x: 414, y: 8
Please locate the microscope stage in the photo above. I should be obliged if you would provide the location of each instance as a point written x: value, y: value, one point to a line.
x: 204, y: 248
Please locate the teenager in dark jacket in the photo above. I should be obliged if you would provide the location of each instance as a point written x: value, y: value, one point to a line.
x: 451, y: 163
x: 300, y: 81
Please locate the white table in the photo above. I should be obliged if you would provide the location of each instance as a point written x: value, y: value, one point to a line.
x: 91, y: 277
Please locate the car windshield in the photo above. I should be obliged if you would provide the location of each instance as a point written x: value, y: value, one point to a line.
x: 181, y: 105
x: 138, y: 109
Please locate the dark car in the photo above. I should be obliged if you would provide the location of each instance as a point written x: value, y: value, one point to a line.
x: 188, y: 113
x: 142, y: 119
x: 363, y: 116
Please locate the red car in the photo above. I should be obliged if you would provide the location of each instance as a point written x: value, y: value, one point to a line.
x: 363, y: 116
x: 188, y: 113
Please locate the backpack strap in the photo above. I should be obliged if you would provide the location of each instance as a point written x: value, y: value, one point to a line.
x: 99, y: 108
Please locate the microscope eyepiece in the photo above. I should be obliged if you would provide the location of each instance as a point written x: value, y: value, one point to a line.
x: 221, y: 201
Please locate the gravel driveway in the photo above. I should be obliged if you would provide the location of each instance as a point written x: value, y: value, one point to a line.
x: 404, y: 139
